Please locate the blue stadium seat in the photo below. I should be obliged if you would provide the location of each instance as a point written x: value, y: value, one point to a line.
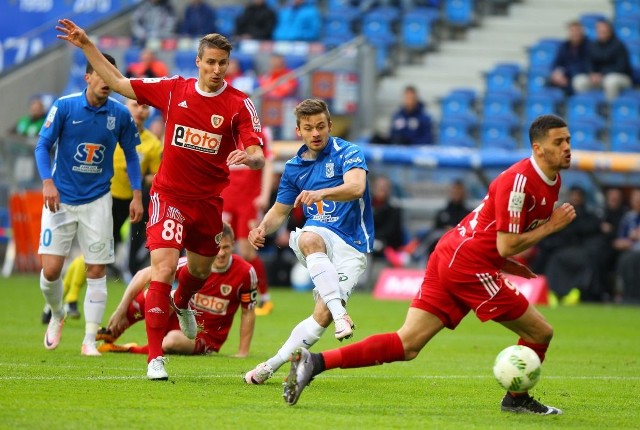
x: 293, y: 61
x: 504, y: 79
x: 331, y: 41
x: 457, y: 104
x: 585, y: 136
x: 456, y: 131
x: 586, y: 107
x: 540, y: 103
x: 246, y: 61
x: 415, y: 30
x: 543, y: 53
x: 377, y: 26
x: 588, y: 21
x: 634, y: 56
x: 184, y: 63
x: 459, y: 12
x: 338, y: 23
x: 226, y: 18
x: 625, y: 138
x: 627, y: 28
x: 626, y: 7
x: 497, y: 132
x: 625, y: 108
x: 500, y: 105
x: 131, y: 55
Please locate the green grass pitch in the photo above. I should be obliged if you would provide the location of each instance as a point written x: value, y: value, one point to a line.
x: 592, y: 372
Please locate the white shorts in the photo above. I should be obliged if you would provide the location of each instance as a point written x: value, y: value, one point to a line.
x: 91, y: 222
x: 348, y: 261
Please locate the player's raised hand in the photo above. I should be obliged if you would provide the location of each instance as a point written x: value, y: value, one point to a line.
x: 72, y: 33
x: 562, y: 216
x: 256, y: 237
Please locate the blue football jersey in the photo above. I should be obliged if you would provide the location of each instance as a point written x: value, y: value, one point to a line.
x: 353, y: 220
x: 85, y: 138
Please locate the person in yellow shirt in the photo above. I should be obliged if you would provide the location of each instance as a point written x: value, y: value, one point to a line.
x: 150, y: 154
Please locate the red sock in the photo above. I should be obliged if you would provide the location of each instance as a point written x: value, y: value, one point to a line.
x: 188, y: 285
x: 135, y: 311
x: 374, y: 350
x: 143, y: 349
x: 157, y: 312
x: 539, y: 348
x: 261, y: 273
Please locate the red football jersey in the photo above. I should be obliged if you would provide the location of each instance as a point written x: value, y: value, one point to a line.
x: 201, y: 129
x: 245, y: 184
x: 520, y: 199
x: 221, y: 295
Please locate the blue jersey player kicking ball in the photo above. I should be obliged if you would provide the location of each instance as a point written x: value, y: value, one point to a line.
x: 328, y: 178
x: 85, y: 128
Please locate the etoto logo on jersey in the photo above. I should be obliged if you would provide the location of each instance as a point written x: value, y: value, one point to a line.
x: 196, y: 140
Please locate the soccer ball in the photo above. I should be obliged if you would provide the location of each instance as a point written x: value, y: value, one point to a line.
x: 517, y: 368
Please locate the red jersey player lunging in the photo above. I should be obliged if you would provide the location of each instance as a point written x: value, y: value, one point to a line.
x: 205, y: 120
x: 245, y: 200
x: 231, y: 285
x: 464, y: 272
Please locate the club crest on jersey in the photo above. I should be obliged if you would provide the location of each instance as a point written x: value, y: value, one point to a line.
x: 329, y: 170
x: 225, y: 289
x: 216, y: 120
x: 111, y: 122
x: 218, y: 238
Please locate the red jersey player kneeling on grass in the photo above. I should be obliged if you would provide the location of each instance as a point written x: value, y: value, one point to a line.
x: 231, y: 284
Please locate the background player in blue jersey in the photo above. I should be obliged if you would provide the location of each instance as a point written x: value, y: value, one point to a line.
x: 328, y: 178
x: 84, y: 128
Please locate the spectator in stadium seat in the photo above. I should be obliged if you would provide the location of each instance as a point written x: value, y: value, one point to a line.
x: 299, y: 20
x: 277, y: 69
x: 614, y: 209
x: 149, y: 66
x: 199, y: 19
x: 573, y: 253
x: 411, y: 124
x: 609, y: 65
x: 627, y: 286
x: 29, y: 125
x: 153, y: 19
x: 257, y: 21
x: 387, y: 221
x: 571, y: 59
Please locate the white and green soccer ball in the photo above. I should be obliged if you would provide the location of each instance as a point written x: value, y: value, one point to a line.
x: 517, y: 368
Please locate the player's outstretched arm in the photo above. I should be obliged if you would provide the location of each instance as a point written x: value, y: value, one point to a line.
x: 515, y: 268
x: 107, y: 71
x: 353, y: 187
x: 118, y: 321
x: 247, y: 325
x: 253, y: 157
x: 273, y: 219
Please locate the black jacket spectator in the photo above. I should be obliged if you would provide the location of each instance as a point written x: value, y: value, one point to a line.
x: 257, y: 21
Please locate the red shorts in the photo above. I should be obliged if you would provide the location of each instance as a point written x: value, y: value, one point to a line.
x: 206, y: 341
x: 191, y: 224
x: 450, y: 295
x: 242, y: 218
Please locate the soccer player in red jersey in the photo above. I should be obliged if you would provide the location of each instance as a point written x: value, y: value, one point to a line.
x: 205, y: 120
x: 231, y: 285
x: 245, y: 200
x: 464, y: 272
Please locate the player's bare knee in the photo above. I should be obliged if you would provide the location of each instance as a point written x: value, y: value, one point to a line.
x: 51, y: 273
x: 309, y: 243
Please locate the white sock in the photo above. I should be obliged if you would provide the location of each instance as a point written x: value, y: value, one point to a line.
x: 325, y: 278
x: 95, y: 302
x: 52, y: 292
x: 305, y: 334
x: 265, y: 297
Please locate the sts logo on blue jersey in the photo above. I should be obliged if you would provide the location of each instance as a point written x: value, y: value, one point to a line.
x: 89, y: 155
x: 322, y: 211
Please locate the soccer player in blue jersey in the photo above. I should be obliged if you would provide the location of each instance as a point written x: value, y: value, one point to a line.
x: 84, y: 128
x: 328, y: 178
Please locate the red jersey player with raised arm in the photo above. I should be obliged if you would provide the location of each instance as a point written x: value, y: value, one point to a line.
x: 205, y: 119
x: 245, y: 200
